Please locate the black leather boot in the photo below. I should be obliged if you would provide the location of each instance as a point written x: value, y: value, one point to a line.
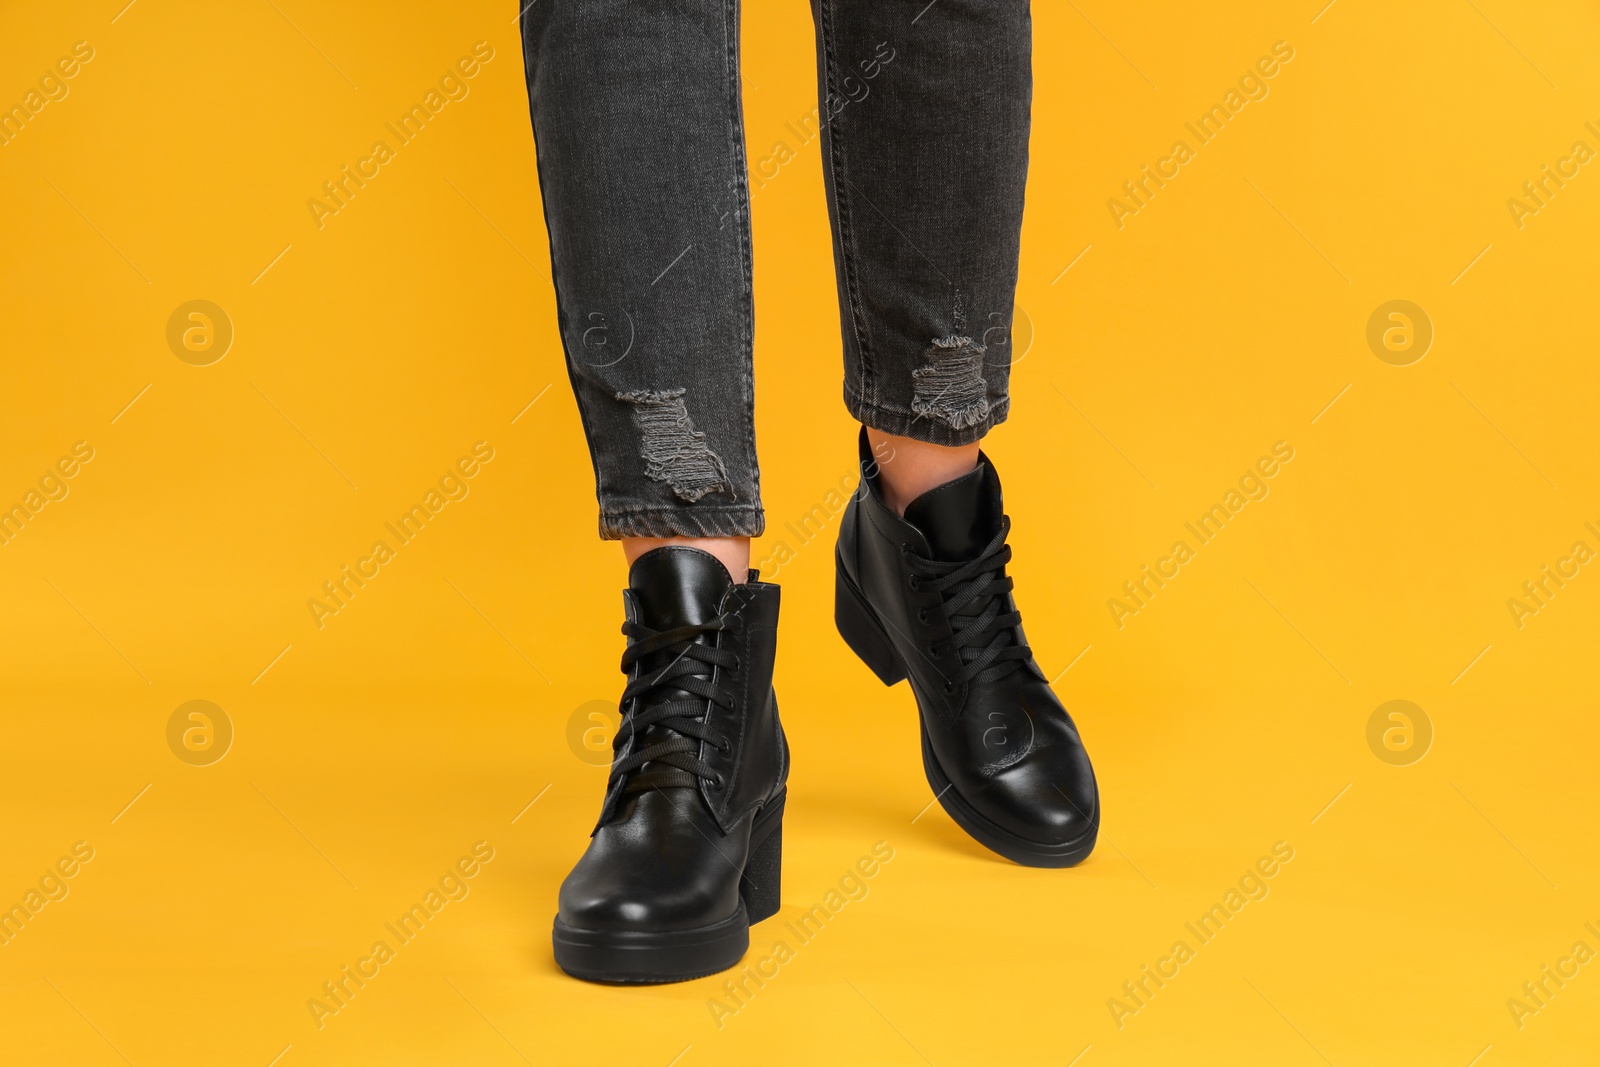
x: 687, y: 851
x: 927, y: 597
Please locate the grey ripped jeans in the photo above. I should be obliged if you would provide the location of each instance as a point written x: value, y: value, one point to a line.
x: 924, y: 119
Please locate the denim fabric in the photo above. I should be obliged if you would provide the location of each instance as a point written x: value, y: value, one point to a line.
x: 924, y: 114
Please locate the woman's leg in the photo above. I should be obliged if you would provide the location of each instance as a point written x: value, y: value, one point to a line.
x: 927, y: 106
x: 641, y: 163
x: 637, y: 117
x: 926, y: 110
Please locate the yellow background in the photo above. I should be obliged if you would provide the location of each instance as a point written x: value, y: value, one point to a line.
x: 427, y: 715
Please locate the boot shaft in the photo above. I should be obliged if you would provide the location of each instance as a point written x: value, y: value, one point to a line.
x: 676, y: 586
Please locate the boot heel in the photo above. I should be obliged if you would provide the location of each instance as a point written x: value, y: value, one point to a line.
x: 862, y: 632
x: 761, y: 885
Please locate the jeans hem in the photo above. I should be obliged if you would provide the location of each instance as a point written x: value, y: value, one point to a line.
x: 737, y: 521
x: 921, y: 427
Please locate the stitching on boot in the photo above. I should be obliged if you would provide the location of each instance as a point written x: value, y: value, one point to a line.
x: 673, y: 450
x: 951, y: 388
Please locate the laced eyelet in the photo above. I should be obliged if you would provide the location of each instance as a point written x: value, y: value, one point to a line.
x: 735, y: 624
x: 737, y: 663
x: 922, y: 614
x: 912, y: 582
x: 724, y: 746
x: 717, y: 783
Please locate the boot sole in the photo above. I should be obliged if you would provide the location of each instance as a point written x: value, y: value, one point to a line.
x: 859, y: 626
x: 652, y: 957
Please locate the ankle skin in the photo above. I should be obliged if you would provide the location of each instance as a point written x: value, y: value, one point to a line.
x: 732, y: 552
x: 907, y: 468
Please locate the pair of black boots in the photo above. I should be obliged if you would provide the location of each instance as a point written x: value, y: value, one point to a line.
x: 687, y: 851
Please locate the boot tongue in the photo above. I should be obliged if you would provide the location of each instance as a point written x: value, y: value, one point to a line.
x: 677, y: 586
x: 959, y: 518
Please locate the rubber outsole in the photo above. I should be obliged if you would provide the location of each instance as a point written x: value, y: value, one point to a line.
x: 653, y: 957
x: 858, y: 624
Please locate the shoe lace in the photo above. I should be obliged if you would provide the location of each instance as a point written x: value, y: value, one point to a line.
x: 973, y: 596
x: 656, y: 698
